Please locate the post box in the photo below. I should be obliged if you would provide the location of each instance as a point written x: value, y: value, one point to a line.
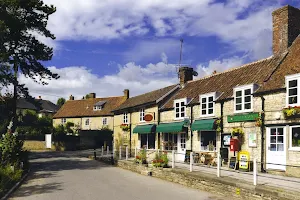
x: 234, y: 144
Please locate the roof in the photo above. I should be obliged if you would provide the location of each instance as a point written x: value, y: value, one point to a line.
x: 39, y: 105
x: 84, y: 107
x: 149, y: 97
x: 224, y: 82
x: 100, y: 103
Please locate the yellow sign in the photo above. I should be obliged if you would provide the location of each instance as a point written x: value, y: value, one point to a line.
x: 244, y: 158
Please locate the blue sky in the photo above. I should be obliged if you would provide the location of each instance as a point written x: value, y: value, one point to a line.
x: 107, y: 46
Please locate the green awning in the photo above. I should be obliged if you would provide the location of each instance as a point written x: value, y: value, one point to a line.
x: 143, y: 129
x: 203, y: 125
x: 170, y: 127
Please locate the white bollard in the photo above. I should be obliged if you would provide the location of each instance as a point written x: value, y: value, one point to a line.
x: 135, y: 152
x: 254, y: 172
x: 191, y: 161
x: 102, y: 151
x: 218, y: 164
x: 107, y: 150
x: 120, y: 152
x: 126, y: 152
x: 173, y: 158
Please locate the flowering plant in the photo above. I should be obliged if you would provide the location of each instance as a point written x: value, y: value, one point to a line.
x: 125, y: 127
x: 218, y: 125
x: 141, y: 158
x: 160, y: 160
x: 290, y: 111
x: 237, y: 132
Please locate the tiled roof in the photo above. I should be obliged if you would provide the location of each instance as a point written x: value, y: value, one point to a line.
x: 84, y: 108
x: 146, y: 98
x: 37, y: 104
x: 224, y: 82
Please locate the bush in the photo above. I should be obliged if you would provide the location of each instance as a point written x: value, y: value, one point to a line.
x: 160, y: 160
x: 8, y: 177
x: 10, y: 149
x: 141, y: 157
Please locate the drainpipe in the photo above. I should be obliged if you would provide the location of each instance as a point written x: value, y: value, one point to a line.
x: 222, y: 115
x: 130, y: 135
x: 191, y: 128
x: 262, y: 129
x: 158, y: 134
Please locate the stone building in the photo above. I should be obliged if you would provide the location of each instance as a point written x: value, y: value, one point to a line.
x: 257, y: 100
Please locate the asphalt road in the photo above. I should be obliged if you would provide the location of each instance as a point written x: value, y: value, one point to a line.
x: 65, y: 176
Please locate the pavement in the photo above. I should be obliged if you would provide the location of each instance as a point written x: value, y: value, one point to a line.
x: 69, y: 175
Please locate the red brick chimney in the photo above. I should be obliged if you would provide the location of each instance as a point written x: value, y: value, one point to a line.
x: 286, y: 28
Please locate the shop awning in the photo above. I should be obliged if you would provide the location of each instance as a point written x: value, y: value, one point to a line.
x: 143, y: 129
x: 203, y: 125
x: 170, y: 127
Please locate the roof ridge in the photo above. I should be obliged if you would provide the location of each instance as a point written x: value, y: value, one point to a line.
x: 98, y: 98
x: 232, y: 69
x: 174, y: 85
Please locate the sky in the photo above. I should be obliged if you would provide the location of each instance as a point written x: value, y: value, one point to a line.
x: 107, y: 46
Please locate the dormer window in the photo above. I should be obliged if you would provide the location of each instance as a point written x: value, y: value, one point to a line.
x: 207, y: 104
x: 243, y: 99
x: 99, y: 105
x: 142, y: 115
x: 292, y: 85
x: 180, y: 108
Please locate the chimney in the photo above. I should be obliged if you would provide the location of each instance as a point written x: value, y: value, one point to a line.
x: 286, y: 28
x: 92, y: 95
x: 214, y: 72
x: 40, y: 97
x: 71, y: 97
x: 126, y: 93
x: 186, y: 74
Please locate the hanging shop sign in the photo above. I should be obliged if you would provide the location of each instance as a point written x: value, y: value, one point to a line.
x: 252, y: 139
x: 242, y: 117
x: 149, y: 117
x: 244, y: 160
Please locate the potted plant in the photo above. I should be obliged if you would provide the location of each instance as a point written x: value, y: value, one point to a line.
x: 258, y: 122
x: 125, y: 127
x: 239, y: 133
x: 141, y: 158
x: 160, y: 160
x: 291, y: 112
x: 218, y: 125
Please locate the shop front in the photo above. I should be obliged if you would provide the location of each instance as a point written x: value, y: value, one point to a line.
x: 174, y: 137
x: 147, y: 135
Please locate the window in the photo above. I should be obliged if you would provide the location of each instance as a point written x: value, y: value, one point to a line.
x: 292, y: 83
x: 63, y: 120
x: 97, y: 107
x: 142, y: 115
x: 104, y: 121
x: 125, y: 118
x: 277, y: 139
x: 208, y: 140
x: 87, y: 122
x: 207, y: 104
x: 180, y: 108
x: 170, y: 141
x: 295, y: 138
x: 243, y: 99
x: 148, y: 140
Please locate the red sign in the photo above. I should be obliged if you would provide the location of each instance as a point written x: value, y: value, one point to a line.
x: 148, y: 117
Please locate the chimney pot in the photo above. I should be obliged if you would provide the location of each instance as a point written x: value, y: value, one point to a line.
x: 126, y: 93
x: 286, y: 28
x: 185, y: 75
x: 40, y: 97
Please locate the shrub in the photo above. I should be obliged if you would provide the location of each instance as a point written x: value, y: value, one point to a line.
x: 141, y: 157
x: 11, y: 149
x: 8, y: 177
x: 160, y: 160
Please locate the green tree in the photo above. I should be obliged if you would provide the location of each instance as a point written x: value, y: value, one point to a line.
x: 20, y: 50
x: 61, y: 101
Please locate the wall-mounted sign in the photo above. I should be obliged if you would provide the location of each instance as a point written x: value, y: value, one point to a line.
x: 243, y: 117
x: 244, y: 158
x: 148, y: 117
x: 226, y: 140
x: 252, y: 139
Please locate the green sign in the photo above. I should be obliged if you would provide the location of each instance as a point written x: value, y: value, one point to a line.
x: 242, y: 117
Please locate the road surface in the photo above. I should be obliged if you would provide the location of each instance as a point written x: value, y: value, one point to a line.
x: 65, y: 176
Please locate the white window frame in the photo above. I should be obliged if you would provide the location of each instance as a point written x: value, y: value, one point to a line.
x: 185, y: 104
x: 63, y: 120
x: 291, y: 78
x: 147, y: 141
x: 125, y: 118
x: 206, y: 96
x: 104, y: 119
x: 243, y: 88
x: 290, y: 138
x: 142, y: 115
x: 97, y: 108
x: 87, y: 120
x: 172, y: 137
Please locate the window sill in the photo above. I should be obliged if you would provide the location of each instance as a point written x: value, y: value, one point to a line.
x: 244, y: 111
x: 207, y: 116
x: 294, y: 149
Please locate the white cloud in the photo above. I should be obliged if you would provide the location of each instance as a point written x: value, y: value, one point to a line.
x: 102, y: 20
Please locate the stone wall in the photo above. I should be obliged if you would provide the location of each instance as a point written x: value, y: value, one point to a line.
x: 225, y: 186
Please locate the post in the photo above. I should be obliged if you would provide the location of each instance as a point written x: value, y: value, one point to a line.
x: 254, y: 172
x: 95, y: 157
x: 120, y: 152
x: 173, y: 158
x: 191, y: 161
x: 135, y: 152
x: 107, y: 150
x: 126, y: 153
x: 102, y: 151
x: 218, y: 164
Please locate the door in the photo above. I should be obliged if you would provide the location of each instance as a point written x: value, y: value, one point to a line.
x: 276, y: 148
x: 48, y: 141
x: 181, y: 144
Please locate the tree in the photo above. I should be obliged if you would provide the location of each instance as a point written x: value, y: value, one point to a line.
x: 61, y: 101
x: 20, y: 50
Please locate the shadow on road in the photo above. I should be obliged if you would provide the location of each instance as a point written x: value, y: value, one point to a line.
x: 28, y: 190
